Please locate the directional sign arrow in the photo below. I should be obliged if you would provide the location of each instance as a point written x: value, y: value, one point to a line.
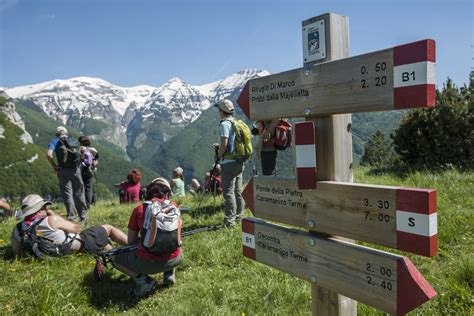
x: 396, y: 78
x: 386, y: 281
x: 395, y: 217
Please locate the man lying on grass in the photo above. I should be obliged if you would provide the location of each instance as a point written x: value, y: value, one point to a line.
x: 155, y: 226
x: 44, y: 233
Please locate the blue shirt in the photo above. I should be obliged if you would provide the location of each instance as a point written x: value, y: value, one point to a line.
x: 53, y: 144
x: 226, y: 130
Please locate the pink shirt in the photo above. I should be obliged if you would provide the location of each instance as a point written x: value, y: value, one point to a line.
x: 131, y: 192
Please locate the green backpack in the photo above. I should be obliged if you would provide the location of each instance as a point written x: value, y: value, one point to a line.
x: 242, y: 149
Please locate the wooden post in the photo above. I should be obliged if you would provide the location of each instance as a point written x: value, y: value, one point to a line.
x: 333, y: 151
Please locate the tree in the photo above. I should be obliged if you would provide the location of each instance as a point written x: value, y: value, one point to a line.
x: 439, y: 136
x: 376, y: 151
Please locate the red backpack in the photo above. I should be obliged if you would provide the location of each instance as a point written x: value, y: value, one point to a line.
x: 214, y: 185
x: 282, y: 138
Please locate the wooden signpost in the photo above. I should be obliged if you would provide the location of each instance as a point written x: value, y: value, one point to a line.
x: 323, y: 198
x: 395, y: 217
x: 391, y: 79
x: 386, y: 281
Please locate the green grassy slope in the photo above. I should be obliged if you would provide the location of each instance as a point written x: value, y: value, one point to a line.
x: 18, y: 176
x: 216, y: 279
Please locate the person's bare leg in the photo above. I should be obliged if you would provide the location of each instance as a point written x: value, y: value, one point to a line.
x: 116, y: 234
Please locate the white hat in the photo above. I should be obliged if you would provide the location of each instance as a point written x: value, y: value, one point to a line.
x: 162, y: 181
x: 32, y: 204
x: 226, y: 106
x: 178, y: 170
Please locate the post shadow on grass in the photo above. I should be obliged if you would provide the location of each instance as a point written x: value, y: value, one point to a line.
x: 112, y: 291
x: 207, y: 210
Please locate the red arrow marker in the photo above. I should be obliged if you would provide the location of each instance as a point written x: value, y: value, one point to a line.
x: 413, y: 289
x: 247, y: 194
x: 243, y: 100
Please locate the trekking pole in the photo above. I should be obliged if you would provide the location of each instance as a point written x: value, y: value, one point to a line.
x: 107, y: 255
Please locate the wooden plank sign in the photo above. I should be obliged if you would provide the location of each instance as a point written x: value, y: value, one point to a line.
x: 386, y: 281
x: 399, y: 218
x: 397, y: 78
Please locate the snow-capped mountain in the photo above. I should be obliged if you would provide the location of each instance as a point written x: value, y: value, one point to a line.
x: 230, y: 86
x: 125, y: 113
x: 81, y: 95
x: 177, y: 101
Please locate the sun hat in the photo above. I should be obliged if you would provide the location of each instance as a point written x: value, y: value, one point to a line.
x: 162, y: 181
x: 178, y: 170
x: 32, y: 203
x: 226, y: 106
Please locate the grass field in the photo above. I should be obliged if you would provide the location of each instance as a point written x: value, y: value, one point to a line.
x: 216, y: 279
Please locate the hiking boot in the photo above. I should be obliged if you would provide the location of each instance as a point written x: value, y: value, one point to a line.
x: 98, y: 269
x: 145, y: 285
x: 169, y: 278
x: 229, y: 224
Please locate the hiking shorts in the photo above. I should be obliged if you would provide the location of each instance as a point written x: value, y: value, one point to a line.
x: 131, y: 262
x: 94, y: 239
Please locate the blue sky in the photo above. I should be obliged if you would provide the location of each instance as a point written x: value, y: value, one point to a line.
x: 148, y: 42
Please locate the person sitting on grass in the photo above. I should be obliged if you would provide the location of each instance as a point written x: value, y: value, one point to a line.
x: 177, y: 182
x: 130, y: 190
x: 156, y: 227
x: 54, y: 230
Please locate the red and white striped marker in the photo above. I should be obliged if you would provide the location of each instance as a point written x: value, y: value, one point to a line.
x: 248, y: 239
x: 414, y: 74
x: 305, y: 155
x: 417, y: 221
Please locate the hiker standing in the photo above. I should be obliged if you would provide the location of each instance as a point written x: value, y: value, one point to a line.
x: 69, y: 173
x: 89, y: 162
x: 274, y: 135
x: 130, y: 189
x: 266, y: 146
x: 231, y: 169
x: 156, y: 227
x: 177, y: 182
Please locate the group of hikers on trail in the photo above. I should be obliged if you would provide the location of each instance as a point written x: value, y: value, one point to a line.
x: 75, y: 165
x: 155, y: 222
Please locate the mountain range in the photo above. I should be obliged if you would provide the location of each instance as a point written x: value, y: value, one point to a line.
x: 159, y: 127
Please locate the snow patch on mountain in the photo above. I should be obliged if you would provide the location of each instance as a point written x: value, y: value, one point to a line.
x: 12, y: 115
x: 32, y: 159
x: 2, y: 130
